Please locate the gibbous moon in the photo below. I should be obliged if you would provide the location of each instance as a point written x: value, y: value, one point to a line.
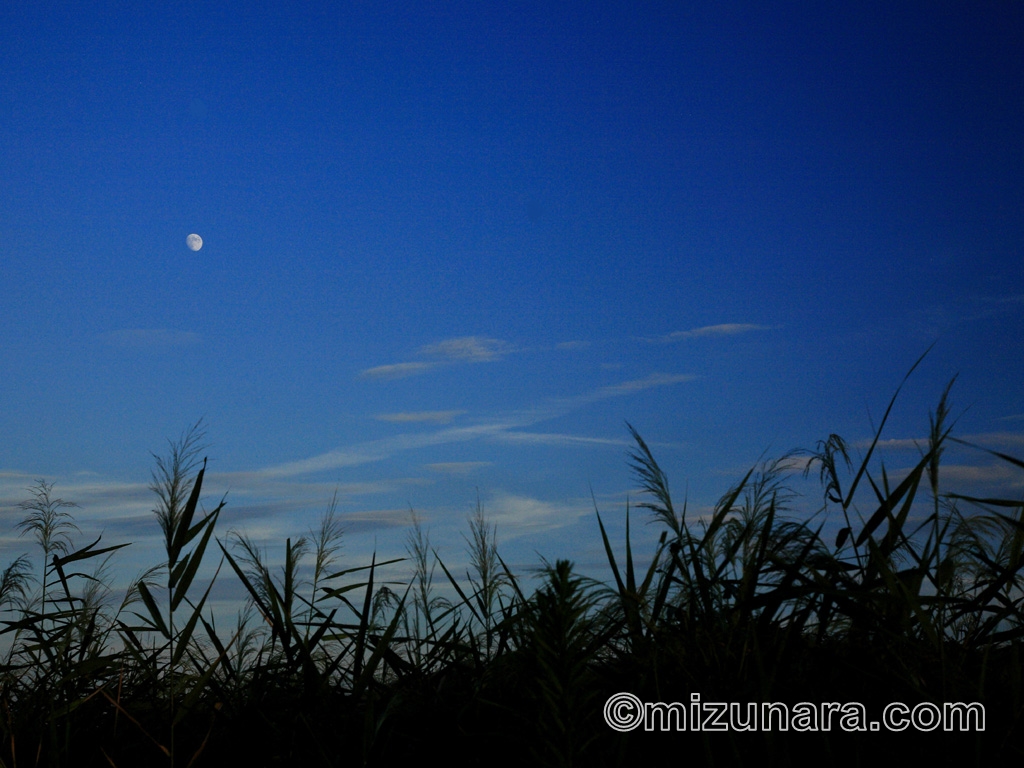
x: 194, y: 242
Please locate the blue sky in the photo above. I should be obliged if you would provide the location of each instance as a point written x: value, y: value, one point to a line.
x: 450, y: 249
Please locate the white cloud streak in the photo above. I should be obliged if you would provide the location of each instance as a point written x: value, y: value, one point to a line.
x: 637, y: 385
x: 723, y: 329
x: 269, y: 502
x: 542, y: 438
x: 462, y: 349
x: 986, y: 439
x: 378, y: 450
x: 475, y: 349
x: 410, y: 417
x: 964, y: 473
x: 517, y: 515
x: 396, y: 370
x: 497, y: 429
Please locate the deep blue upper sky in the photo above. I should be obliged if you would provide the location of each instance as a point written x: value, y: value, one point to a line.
x: 451, y: 250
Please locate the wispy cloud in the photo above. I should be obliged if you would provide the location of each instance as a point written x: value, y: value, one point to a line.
x: 637, y: 385
x: 16, y: 475
x: 270, y: 502
x: 396, y: 370
x: 516, y: 515
x: 349, y: 457
x: 95, y: 496
x: 274, y: 502
x: 560, y: 406
x: 1007, y: 439
x: 502, y: 428
x: 724, y: 329
x: 378, y: 450
x: 463, y: 349
x: 986, y: 439
x: 435, y: 417
x: 549, y: 438
x: 259, y: 484
x: 994, y: 473
x: 149, y: 338
x: 895, y: 444
x: 476, y: 349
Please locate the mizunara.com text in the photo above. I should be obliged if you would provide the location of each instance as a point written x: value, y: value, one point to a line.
x: 626, y: 712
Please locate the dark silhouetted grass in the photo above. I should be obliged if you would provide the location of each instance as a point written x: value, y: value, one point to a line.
x: 918, y: 598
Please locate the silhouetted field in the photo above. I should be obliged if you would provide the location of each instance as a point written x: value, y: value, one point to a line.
x: 918, y: 599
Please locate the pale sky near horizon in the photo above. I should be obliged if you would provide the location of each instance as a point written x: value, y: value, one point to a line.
x: 450, y: 250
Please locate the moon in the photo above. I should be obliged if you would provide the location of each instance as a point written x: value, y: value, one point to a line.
x: 194, y: 242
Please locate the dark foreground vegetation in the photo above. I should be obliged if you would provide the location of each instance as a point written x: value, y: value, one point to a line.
x: 918, y: 599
